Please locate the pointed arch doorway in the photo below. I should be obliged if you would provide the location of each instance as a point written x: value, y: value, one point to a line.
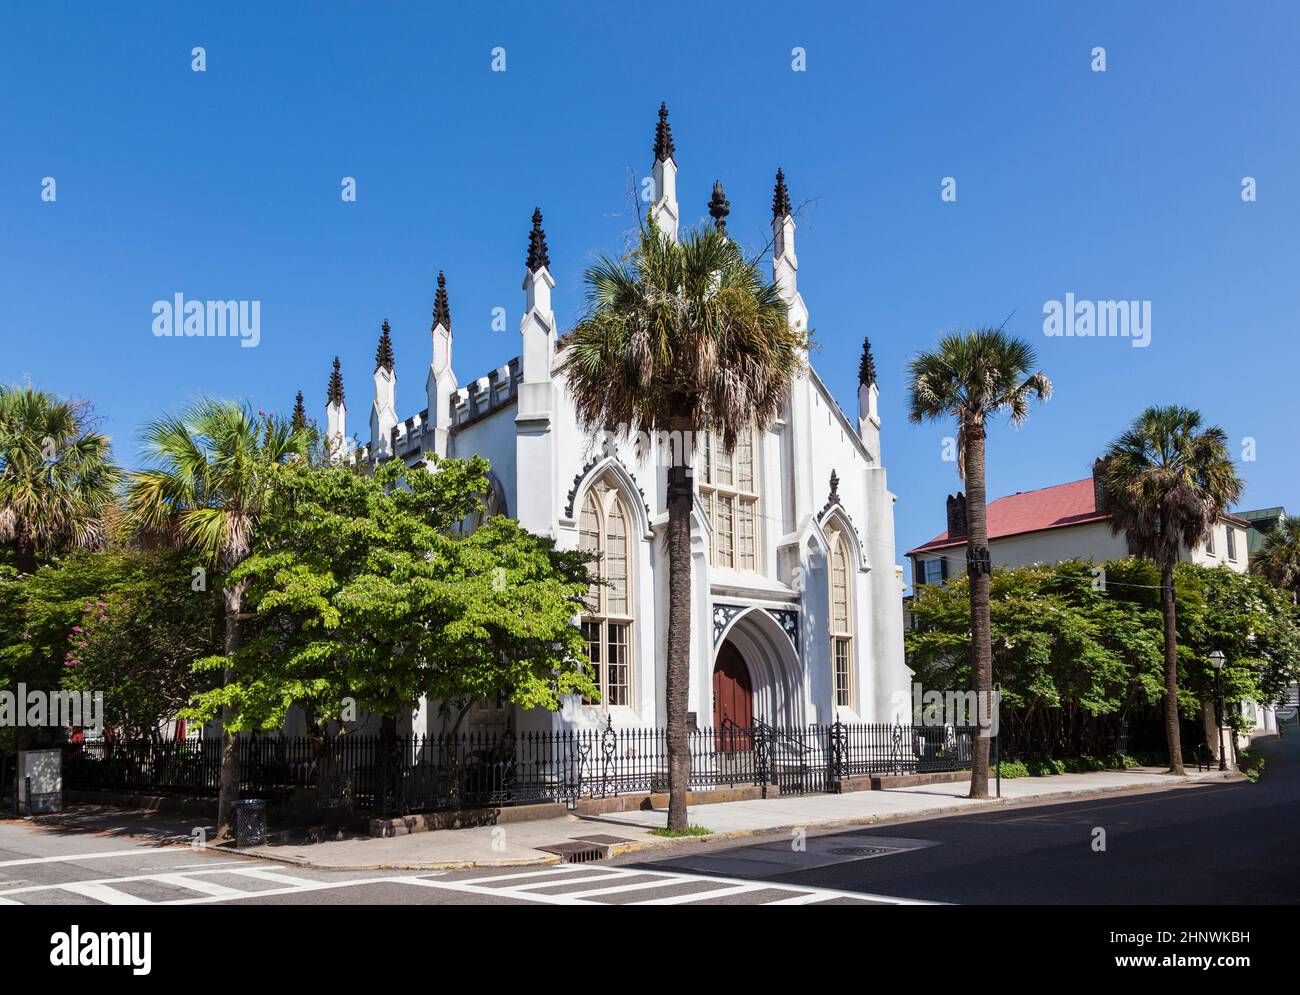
x: 733, y: 698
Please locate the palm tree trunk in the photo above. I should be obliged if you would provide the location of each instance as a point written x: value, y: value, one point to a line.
x: 677, y: 676
x: 978, y: 570
x: 25, y: 553
x: 228, y: 779
x: 1171, y: 668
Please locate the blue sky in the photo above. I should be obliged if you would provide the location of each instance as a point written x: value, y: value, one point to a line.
x: 225, y: 184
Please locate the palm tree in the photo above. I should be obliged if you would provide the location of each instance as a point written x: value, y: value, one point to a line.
x: 681, y: 338
x: 970, y: 377
x: 57, y: 478
x: 1278, y: 559
x: 1165, y: 482
x: 211, y: 483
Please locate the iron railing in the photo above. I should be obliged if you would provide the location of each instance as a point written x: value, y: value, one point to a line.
x: 402, y: 774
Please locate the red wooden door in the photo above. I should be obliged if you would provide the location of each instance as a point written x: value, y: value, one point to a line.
x: 733, y: 700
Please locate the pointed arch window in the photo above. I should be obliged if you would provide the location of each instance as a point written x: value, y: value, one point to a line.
x: 841, y: 582
x: 729, y: 490
x: 605, y: 528
x: 490, y: 505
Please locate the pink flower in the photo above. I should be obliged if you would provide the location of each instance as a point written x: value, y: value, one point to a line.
x: 76, y: 628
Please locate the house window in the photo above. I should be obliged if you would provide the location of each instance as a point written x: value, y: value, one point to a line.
x: 932, y: 571
x: 841, y: 619
x: 729, y: 491
x: 1232, y: 543
x: 1209, y: 540
x: 605, y: 529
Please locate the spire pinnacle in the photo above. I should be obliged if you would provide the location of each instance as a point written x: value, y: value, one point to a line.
x: 299, y: 414
x: 441, y: 309
x: 538, y: 257
x: 719, y: 207
x: 780, y: 198
x: 384, y: 353
x: 867, y: 367
x: 334, y: 392
x: 664, y: 149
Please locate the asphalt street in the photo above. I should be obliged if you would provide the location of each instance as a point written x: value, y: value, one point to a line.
x: 1211, y: 843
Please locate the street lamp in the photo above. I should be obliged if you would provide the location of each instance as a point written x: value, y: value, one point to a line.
x: 1216, y: 663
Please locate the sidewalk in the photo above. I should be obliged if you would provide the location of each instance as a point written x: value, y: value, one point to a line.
x: 517, y: 843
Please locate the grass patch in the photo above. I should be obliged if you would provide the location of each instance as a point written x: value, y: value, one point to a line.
x: 1251, y: 765
x: 688, y: 831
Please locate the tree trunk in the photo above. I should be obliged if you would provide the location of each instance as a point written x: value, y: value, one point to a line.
x: 677, y: 676
x: 1211, y: 729
x: 978, y: 569
x: 228, y: 779
x: 25, y: 553
x: 1171, y: 669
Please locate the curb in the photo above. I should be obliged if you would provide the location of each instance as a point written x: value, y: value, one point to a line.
x: 661, y: 843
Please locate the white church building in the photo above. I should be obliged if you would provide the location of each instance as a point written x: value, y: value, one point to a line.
x: 797, y: 615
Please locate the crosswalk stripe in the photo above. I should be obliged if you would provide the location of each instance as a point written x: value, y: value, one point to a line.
x: 103, y: 893
x: 265, y: 875
x: 556, y: 884
x: 638, y: 886
x: 304, y: 885
x: 473, y: 889
x: 699, y: 896
x: 560, y: 868
x: 803, y: 899
x: 70, y: 858
x: 199, y: 885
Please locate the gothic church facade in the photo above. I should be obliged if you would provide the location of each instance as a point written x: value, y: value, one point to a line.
x: 797, y: 613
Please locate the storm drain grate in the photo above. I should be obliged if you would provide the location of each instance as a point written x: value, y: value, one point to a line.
x: 577, y: 853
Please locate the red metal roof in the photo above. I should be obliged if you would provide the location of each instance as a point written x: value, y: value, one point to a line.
x: 1033, y: 511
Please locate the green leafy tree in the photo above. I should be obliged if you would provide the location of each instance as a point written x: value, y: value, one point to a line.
x: 1255, y: 626
x: 138, y: 639
x: 57, y: 477
x: 210, y: 482
x: 140, y: 655
x: 1165, y: 482
x: 972, y: 377
x: 1072, y: 653
x: 680, y: 338
x: 365, y: 593
x: 1067, y: 657
x: 1278, y: 558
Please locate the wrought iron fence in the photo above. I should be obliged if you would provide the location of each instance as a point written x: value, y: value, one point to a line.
x: 404, y: 774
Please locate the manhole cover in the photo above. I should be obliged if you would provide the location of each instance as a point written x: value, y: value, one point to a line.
x: 858, y: 851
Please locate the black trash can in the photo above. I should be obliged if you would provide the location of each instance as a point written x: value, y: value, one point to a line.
x: 250, y: 822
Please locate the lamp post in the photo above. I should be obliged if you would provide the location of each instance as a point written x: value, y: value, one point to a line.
x: 1216, y: 663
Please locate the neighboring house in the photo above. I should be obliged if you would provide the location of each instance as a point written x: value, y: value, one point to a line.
x: 1054, y: 524
x: 1062, y: 522
x: 796, y: 615
x: 1261, y: 521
